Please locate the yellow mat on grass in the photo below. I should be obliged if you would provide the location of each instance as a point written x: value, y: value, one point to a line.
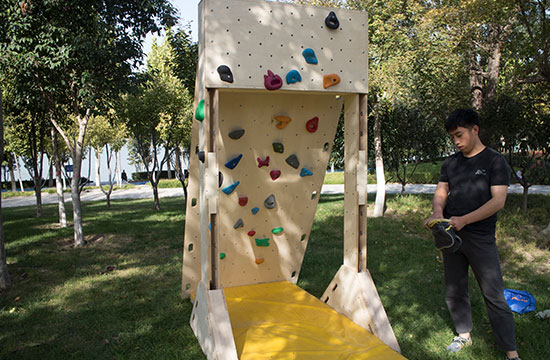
x: 282, y: 321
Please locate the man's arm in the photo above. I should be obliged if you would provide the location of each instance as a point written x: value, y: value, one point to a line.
x: 497, y: 201
x: 438, y: 202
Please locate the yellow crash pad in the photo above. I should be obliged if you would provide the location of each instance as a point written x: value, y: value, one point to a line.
x: 279, y: 320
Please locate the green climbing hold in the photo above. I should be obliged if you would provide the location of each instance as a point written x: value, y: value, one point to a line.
x: 222, y: 256
x: 278, y: 147
x: 277, y: 230
x: 262, y: 242
x: 199, y: 113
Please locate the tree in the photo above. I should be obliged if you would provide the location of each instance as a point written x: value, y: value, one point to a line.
x: 106, y: 133
x: 5, y: 280
x: 80, y: 60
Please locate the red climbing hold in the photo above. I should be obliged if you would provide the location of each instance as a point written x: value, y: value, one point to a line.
x: 243, y: 200
x: 275, y: 174
x: 251, y: 233
x: 264, y: 162
x: 312, y: 124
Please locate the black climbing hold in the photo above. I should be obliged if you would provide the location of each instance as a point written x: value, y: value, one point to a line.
x: 270, y: 202
x: 331, y: 21
x: 293, y: 161
x: 238, y: 224
x: 201, y: 156
x: 225, y: 73
x: 278, y: 147
x: 231, y: 164
x: 220, y: 179
x: 236, y: 134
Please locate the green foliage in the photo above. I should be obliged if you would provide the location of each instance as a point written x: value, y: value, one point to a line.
x: 185, y: 59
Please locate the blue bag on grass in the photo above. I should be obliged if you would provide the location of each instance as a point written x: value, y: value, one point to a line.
x: 520, y: 301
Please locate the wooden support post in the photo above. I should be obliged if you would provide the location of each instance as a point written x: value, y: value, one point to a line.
x: 362, y: 181
x: 212, y: 188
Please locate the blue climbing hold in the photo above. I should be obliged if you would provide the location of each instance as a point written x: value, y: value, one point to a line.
x: 293, y: 76
x: 309, y: 55
x: 229, y: 189
x: 233, y: 162
x: 305, y: 172
x: 255, y: 210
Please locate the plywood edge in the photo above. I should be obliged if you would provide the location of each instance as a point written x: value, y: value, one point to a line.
x: 211, y: 324
x: 354, y: 295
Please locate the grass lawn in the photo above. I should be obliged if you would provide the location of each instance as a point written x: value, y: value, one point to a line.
x: 118, y: 297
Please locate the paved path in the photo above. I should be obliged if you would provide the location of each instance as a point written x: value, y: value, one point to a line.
x: 145, y: 191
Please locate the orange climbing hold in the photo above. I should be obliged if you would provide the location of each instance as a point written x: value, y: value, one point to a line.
x: 330, y: 80
x: 282, y: 121
x: 259, y: 260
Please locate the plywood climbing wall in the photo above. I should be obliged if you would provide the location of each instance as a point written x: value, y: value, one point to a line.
x: 272, y: 77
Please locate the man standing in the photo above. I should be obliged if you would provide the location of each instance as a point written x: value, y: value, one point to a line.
x: 471, y: 190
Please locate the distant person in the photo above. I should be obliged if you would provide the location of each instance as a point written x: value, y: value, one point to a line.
x: 124, y: 177
x: 472, y: 188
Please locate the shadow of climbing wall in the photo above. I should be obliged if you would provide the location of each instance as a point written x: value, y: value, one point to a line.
x: 272, y: 147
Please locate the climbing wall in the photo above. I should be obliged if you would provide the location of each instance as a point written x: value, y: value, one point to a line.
x: 271, y: 82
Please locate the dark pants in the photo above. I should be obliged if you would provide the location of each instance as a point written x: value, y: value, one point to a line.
x: 479, y: 252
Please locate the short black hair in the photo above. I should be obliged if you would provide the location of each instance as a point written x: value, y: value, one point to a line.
x: 466, y: 118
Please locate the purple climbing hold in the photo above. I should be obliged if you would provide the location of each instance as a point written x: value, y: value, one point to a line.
x: 229, y: 189
x: 310, y: 57
x: 263, y: 162
x: 293, y: 77
x: 305, y: 172
x: 236, y: 134
x: 272, y: 81
x: 293, y: 161
x: 225, y: 73
x: 270, y: 202
x: 231, y: 164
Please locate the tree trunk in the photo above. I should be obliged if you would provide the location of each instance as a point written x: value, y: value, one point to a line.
x: 18, y: 172
x: 107, y: 193
x: 12, y: 174
x: 118, y: 168
x: 476, y: 83
x: 75, y: 196
x: 58, y: 182
x: 168, y: 166
x: 154, y: 184
x: 50, y: 174
x: 180, y: 173
x: 5, y: 280
x: 380, y: 178
x: 403, y: 184
x: 524, y: 197
x: 97, y: 167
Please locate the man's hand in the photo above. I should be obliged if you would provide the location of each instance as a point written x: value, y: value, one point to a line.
x: 433, y: 217
x: 458, y: 222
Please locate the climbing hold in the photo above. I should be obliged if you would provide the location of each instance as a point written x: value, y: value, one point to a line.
x: 293, y: 161
x: 236, y: 134
x: 255, y: 210
x: 309, y: 55
x: 312, y: 124
x: 259, y: 260
x: 243, y: 200
x: 225, y: 73
x: 229, y: 189
x: 220, y: 179
x: 282, y: 121
x: 262, y: 242
x: 275, y: 174
x: 330, y: 80
x: 278, y: 147
x: 233, y: 162
x: 238, y: 224
x: 305, y: 172
x: 251, y: 233
x: 199, y: 112
x: 293, y: 77
x: 331, y: 21
x: 277, y: 230
x: 264, y: 162
x: 201, y: 155
x: 270, y: 202
x: 272, y: 81
x: 222, y: 256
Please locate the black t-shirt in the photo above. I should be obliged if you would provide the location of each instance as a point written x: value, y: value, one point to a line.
x: 470, y: 181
